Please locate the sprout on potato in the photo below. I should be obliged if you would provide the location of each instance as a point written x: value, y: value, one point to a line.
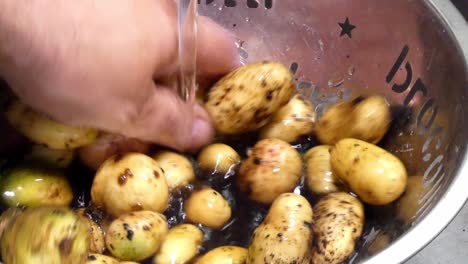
x: 130, y: 182
x: 272, y: 168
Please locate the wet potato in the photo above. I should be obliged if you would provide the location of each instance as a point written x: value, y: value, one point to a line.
x: 43, y: 130
x: 34, y: 186
x: 55, y: 158
x: 52, y: 235
x: 289, y: 123
x: 137, y: 235
x: 101, y: 259
x: 224, y: 255
x: 177, y: 168
x: 374, y: 174
x: 338, y: 222
x: 285, y: 236
x: 320, y: 177
x: 245, y: 99
x: 218, y: 158
x: 180, y: 246
x: 364, y: 118
x: 96, y: 242
x: 208, y: 207
x: 272, y: 168
x: 130, y: 182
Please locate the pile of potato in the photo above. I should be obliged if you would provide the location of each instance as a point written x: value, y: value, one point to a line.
x: 134, y: 183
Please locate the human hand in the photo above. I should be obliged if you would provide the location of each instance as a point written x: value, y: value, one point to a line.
x: 101, y: 64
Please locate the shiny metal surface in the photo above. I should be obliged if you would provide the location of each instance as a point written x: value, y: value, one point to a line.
x: 414, y: 52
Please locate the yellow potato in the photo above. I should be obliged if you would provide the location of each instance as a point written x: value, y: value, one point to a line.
x: 245, y: 99
x: 409, y: 203
x: 180, y: 245
x: 101, y: 259
x: 130, y: 182
x: 295, y: 119
x: 208, y: 207
x: 338, y: 222
x: 367, y: 119
x: 96, y: 243
x: 43, y: 130
x: 320, y: 177
x: 136, y: 236
x: 272, y: 168
x: 224, y: 255
x: 285, y: 236
x: 177, y: 168
x: 218, y: 158
x: 374, y: 174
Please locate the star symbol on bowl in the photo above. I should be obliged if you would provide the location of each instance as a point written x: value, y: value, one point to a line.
x: 346, y: 28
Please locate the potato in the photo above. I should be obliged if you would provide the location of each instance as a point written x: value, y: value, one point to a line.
x: 34, y: 187
x: 96, y: 242
x: 409, y: 203
x: 295, y: 119
x: 7, y: 217
x: 218, y: 158
x: 130, y: 182
x: 101, y: 259
x: 180, y: 245
x: 374, y: 174
x: 56, y: 158
x: 320, y: 177
x: 338, y: 222
x: 177, y: 168
x: 285, y: 236
x: 364, y: 118
x: 245, y: 99
x: 207, y: 207
x: 224, y: 255
x: 41, y: 129
x: 273, y: 167
x: 108, y: 145
x: 137, y: 235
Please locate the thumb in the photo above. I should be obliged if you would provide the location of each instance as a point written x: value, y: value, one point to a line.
x: 168, y: 121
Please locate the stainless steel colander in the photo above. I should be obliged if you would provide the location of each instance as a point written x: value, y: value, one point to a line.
x: 414, y: 52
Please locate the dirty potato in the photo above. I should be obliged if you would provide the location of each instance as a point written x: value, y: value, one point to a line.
x: 320, y: 177
x: 273, y: 167
x: 96, y: 243
x: 34, y: 186
x: 224, y: 255
x: 180, y: 245
x: 218, y: 158
x: 101, y: 259
x: 41, y: 129
x: 56, y: 158
x: 245, y: 99
x: 130, y: 182
x: 289, y: 123
x: 413, y: 199
x: 364, y: 118
x: 374, y: 174
x: 137, y: 235
x: 338, y: 222
x: 177, y: 168
x: 208, y: 207
x: 108, y: 145
x: 285, y: 236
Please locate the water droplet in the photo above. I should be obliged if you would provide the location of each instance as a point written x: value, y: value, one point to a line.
x: 336, y: 82
x: 247, y: 19
x: 351, y: 70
